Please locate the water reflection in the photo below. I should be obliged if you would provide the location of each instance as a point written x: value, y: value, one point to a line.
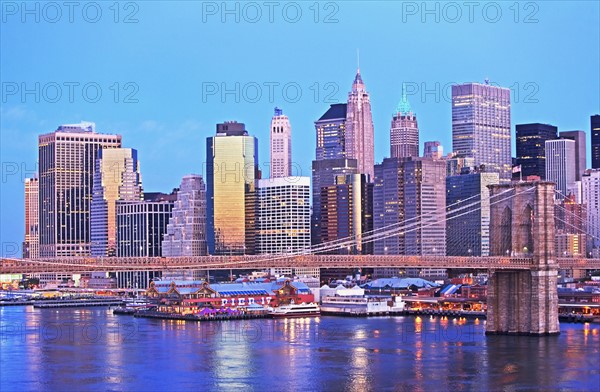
x: 69, y: 348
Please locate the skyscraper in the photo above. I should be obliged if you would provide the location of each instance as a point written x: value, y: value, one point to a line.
x: 347, y: 213
x: 468, y: 229
x: 570, y: 230
x: 330, y: 159
x: 595, y: 140
x: 591, y: 199
x: 31, y: 244
x: 433, y: 150
x: 481, y: 126
x: 560, y: 156
x: 580, y: 151
x: 116, y: 177
x: 531, y: 147
x: 67, y: 160
x: 281, y: 145
x: 411, y: 194
x: 283, y: 215
x: 186, y: 231
x: 141, y: 226
x: 404, y: 132
x: 232, y: 168
x: 331, y: 133
x: 359, y: 128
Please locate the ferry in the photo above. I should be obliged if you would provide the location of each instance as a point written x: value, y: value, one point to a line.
x: 296, y: 310
x: 354, y: 305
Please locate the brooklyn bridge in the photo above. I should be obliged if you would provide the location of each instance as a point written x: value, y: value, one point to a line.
x: 522, y: 268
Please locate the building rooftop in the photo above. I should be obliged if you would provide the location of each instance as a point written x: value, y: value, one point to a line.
x: 335, y: 112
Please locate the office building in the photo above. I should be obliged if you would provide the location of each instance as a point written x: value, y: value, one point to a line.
x: 31, y: 244
x: 580, y: 151
x: 560, y: 167
x: 232, y: 168
x: 531, y: 148
x: 360, y: 144
x: 141, y: 226
x: 433, y: 150
x: 410, y: 196
x: 404, y: 131
x: 468, y: 228
x: 67, y: 160
x: 481, y: 126
x: 283, y: 215
x: 595, y: 140
x: 571, y: 227
x: 590, y: 182
x: 116, y: 177
x: 281, y: 145
x: 186, y: 231
x: 346, y: 214
x: 331, y: 133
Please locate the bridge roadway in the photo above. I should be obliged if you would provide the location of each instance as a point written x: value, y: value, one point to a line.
x: 89, y: 264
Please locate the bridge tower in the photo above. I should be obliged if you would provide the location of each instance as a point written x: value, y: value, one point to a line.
x: 522, y: 225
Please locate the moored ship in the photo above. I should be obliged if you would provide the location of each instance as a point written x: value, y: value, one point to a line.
x: 362, y: 305
x: 296, y: 310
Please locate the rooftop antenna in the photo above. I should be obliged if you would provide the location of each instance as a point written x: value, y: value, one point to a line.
x: 358, y: 59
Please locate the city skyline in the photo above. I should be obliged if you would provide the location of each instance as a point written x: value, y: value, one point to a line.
x: 565, y: 99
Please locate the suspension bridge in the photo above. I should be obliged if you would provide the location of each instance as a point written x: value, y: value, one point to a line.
x: 522, y: 266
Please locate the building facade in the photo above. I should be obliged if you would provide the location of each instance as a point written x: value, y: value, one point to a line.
x: 591, y: 199
x: 531, y: 148
x: 481, y: 126
x: 31, y: 243
x: 360, y: 137
x: 232, y: 168
x: 67, y: 160
x: 283, y: 215
x: 570, y: 229
x: 281, y: 145
x: 468, y: 213
x: 141, y: 226
x: 186, y: 231
x: 330, y: 159
x: 116, y: 177
x: 410, y: 196
x: 580, y: 151
x: 560, y: 167
x: 433, y: 150
x: 347, y: 214
x: 595, y: 140
x: 404, y: 131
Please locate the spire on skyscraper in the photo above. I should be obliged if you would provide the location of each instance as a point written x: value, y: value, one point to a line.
x: 403, y: 106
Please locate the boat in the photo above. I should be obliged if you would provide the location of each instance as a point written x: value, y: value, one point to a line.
x: 132, y: 306
x: 296, y: 310
x: 354, y: 305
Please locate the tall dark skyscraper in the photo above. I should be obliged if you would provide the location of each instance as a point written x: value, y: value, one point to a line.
x: 67, y: 162
x: 580, y: 151
x: 531, y: 147
x: 411, y: 192
x: 330, y: 159
x: 595, y: 138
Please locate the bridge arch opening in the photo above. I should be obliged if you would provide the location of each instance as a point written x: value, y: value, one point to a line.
x: 506, y: 232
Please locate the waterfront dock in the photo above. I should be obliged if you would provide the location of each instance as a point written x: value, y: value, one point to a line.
x: 193, y: 317
x: 77, y: 303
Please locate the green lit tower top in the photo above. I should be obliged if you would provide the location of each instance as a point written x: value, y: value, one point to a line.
x: 404, y: 132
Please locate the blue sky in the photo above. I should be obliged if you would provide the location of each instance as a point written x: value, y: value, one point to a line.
x: 166, y: 61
